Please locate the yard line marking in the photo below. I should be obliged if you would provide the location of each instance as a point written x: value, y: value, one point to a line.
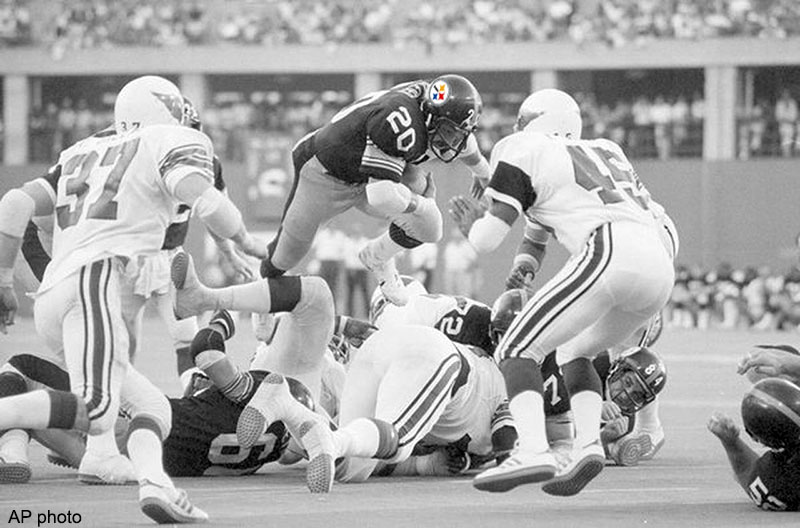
x: 639, y: 490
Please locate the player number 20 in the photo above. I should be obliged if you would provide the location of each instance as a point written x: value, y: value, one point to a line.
x: 398, y: 120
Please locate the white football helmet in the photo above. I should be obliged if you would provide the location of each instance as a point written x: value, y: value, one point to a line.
x: 379, y: 301
x: 148, y: 100
x: 550, y: 111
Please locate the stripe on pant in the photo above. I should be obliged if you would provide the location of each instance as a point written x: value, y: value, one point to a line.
x: 98, y: 340
x: 430, y: 398
x: 547, y: 309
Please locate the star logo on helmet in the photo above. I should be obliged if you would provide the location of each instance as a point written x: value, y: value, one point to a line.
x: 439, y: 92
x: 173, y: 103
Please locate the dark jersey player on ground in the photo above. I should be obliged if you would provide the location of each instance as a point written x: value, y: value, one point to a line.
x: 362, y: 159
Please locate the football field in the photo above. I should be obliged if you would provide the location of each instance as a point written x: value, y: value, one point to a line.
x: 688, y: 484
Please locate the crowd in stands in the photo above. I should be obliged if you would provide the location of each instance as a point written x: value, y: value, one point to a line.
x: 769, y: 129
x: 101, y: 23
x: 729, y: 298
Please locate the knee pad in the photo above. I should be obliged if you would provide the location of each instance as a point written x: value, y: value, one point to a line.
x: 206, y: 339
x: 12, y: 383
x: 424, y: 224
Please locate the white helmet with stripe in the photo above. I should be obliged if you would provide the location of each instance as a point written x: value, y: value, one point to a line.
x: 148, y: 100
x: 550, y: 111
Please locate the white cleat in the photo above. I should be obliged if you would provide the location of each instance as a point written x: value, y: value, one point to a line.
x: 307, y: 427
x: 518, y: 469
x: 191, y: 297
x: 628, y: 450
x: 388, y: 277
x: 657, y: 439
x: 168, y: 505
x: 114, y: 470
x: 579, y: 468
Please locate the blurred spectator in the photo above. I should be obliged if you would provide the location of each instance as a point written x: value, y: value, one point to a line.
x: 329, y: 251
x: 461, y: 271
x: 752, y: 125
x: 422, y: 263
x: 357, y: 276
x: 786, y: 116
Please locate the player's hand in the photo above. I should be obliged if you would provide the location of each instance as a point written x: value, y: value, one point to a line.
x: 723, y: 427
x: 610, y: 411
x: 765, y: 362
x: 240, y: 265
x: 478, y: 186
x: 521, y: 276
x: 430, y: 186
x: 458, y: 460
x: 465, y: 212
x: 8, y: 307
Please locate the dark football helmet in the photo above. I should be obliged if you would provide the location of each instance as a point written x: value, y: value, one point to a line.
x: 771, y: 413
x: 504, y: 310
x: 635, y: 379
x: 452, y: 106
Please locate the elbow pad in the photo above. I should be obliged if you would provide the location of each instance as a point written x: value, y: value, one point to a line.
x: 218, y: 213
x: 389, y: 197
x: 487, y: 233
x: 16, y: 210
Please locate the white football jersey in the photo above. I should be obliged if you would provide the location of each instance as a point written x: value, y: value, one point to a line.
x: 570, y: 187
x: 114, y: 193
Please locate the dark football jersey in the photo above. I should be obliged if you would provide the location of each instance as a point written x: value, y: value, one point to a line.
x: 467, y: 323
x: 773, y: 482
x: 556, y: 397
x: 374, y: 137
x: 203, y: 437
x: 177, y: 231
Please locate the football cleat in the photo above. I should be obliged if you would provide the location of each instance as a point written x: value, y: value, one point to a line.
x: 168, y: 505
x: 518, y: 469
x: 656, y: 442
x: 14, y: 471
x: 389, y: 280
x: 190, y: 296
x: 628, y: 450
x: 57, y: 460
x: 578, y: 469
x: 273, y: 398
x: 15, y: 468
x: 114, y: 470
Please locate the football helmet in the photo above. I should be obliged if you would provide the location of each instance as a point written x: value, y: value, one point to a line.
x: 504, y: 310
x: 148, y: 100
x: 190, y: 115
x: 300, y: 393
x: 550, y: 111
x: 452, y: 107
x: 635, y: 379
x: 771, y: 413
x: 378, y: 301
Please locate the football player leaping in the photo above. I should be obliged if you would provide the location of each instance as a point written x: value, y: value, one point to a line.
x: 361, y: 159
x: 619, y: 275
x: 113, y: 197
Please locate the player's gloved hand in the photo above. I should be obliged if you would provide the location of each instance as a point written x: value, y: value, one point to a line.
x: 723, y: 427
x: 521, y: 276
x: 458, y: 460
x: 465, y: 212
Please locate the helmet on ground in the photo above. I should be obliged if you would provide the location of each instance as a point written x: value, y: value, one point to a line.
x: 635, y: 379
x: 378, y: 301
x: 550, y: 111
x: 453, y: 107
x: 148, y: 100
x: 504, y: 310
x: 771, y: 413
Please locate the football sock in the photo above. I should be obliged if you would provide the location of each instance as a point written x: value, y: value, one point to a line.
x: 31, y: 410
x: 527, y: 408
x: 14, y: 445
x: 587, y: 407
x: 384, y: 248
x: 647, y: 419
x: 145, y: 452
x: 104, y: 444
x: 366, y: 438
x: 232, y: 382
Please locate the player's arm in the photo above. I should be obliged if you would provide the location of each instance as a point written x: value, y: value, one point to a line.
x: 741, y: 456
x: 771, y: 361
x: 477, y: 164
x: 529, y: 257
x: 17, y: 207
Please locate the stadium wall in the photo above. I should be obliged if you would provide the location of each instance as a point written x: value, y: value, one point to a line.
x: 742, y: 212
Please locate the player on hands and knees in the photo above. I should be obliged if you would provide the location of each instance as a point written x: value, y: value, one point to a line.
x: 368, y: 157
x: 113, y: 197
x: 619, y: 275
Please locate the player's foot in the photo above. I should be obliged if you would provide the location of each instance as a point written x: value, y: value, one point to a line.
x: 520, y: 468
x: 114, y: 470
x: 168, y: 505
x: 388, y: 278
x: 57, y: 460
x: 14, y: 471
x: 191, y: 297
x: 656, y: 442
x: 577, y: 470
x: 628, y: 450
x: 273, y: 399
x: 224, y: 322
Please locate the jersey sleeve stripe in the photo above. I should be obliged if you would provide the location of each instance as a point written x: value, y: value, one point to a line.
x: 184, y: 152
x: 375, y: 162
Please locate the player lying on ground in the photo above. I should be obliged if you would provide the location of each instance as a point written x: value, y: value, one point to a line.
x: 771, y: 416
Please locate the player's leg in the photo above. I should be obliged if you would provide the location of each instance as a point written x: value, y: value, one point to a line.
x: 314, y: 199
x: 182, y: 331
x: 14, y: 464
x: 406, y: 231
